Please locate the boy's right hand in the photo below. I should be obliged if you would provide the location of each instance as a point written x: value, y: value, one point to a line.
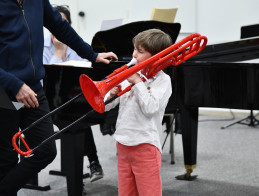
x: 27, y: 96
x: 115, y: 90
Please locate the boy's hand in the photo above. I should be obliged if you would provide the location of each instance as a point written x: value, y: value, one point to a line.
x: 134, y: 79
x: 114, y: 91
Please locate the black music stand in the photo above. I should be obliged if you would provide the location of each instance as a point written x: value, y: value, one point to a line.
x: 251, y: 118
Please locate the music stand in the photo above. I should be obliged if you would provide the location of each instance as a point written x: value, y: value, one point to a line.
x: 253, y: 121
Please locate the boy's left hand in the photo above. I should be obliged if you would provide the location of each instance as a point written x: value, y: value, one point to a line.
x: 134, y: 79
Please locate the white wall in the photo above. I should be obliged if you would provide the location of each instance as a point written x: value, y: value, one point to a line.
x: 135, y: 10
x: 129, y: 10
x: 73, y: 6
x: 219, y: 20
x: 186, y: 14
x: 98, y: 10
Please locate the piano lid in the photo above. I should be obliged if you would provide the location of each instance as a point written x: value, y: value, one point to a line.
x: 119, y: 39
x: 249, y: 31
x: 241, y: 50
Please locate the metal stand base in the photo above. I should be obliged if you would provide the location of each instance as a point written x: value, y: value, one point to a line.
x: 57, y: 173
x: 183, y: 177
x: 251, y: 118
x: 60, y: 173
x: 34, y: 185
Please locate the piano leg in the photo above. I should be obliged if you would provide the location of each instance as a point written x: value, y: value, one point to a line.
x: 74, y: 149
x: 189, y: 125
x: 63, y: 160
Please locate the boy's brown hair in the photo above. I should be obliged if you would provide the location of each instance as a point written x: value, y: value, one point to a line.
x: 152, y: 40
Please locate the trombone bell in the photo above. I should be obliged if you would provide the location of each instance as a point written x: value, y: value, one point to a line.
x: 93, y: 94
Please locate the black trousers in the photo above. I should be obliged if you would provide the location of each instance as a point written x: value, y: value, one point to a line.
x: 14, y: 175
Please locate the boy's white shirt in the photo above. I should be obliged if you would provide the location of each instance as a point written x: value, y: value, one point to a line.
x: 141, y: 111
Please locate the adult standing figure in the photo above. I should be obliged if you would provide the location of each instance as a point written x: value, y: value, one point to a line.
x: 21, y: 69
x: 56, y: 52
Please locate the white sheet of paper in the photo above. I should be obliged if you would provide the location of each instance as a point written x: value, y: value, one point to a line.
x: 86, y: 64
x: 109, y: 24
x: 17, y: 105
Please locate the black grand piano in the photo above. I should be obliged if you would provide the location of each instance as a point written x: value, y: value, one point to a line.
x: 216, y: 77
x: 224, y: 75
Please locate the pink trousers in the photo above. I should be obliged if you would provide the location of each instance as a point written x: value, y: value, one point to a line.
x: 139, y: 170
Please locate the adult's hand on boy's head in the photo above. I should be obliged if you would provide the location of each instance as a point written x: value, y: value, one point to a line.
x: 106, y: 57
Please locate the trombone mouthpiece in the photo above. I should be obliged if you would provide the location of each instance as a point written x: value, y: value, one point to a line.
x: 132, y: 62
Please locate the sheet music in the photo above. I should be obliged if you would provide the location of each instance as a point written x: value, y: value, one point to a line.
x: 109, y: 24
x: 249, y: 61
x: 72, y: 63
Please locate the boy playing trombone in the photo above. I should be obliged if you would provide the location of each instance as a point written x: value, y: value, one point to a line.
x: 139, y: 123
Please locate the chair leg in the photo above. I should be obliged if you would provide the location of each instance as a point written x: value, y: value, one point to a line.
x: 169, y: 119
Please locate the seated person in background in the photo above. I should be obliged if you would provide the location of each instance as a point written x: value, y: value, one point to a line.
x: 57, y: 52
x: 139, y: 123
x: 54, y: 50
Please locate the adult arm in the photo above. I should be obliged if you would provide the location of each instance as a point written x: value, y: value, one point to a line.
x: 10, y: 82
x: 22, y: 92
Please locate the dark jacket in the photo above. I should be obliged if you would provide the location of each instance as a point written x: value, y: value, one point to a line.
x: 21, y: 42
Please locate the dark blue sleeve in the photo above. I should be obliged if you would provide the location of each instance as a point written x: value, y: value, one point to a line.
x: 65, y: 33
x: 10, y: 82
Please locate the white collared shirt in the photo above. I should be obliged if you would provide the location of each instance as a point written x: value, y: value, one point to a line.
x: 141, y: 111
x: 50, y: 58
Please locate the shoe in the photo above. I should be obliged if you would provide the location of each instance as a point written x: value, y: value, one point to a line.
x: 96, y: 171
